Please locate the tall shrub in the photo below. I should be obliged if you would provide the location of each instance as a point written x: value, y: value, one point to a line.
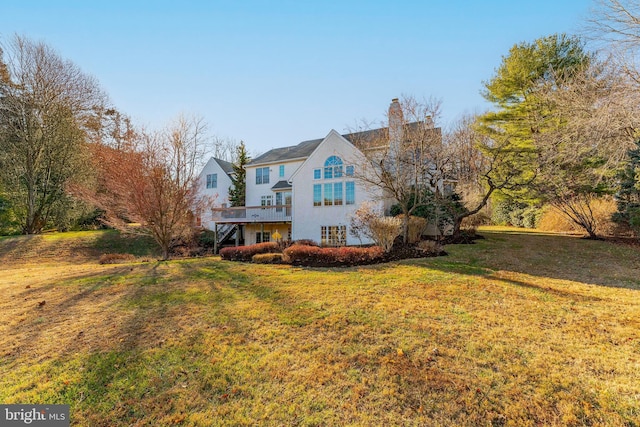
x: 385, y: 230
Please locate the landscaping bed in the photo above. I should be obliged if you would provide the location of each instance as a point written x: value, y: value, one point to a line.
x: 309, y: 254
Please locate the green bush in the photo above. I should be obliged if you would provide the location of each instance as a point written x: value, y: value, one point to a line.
x: 517, y: 214
x: 207, y: 239
x: 531, y: 217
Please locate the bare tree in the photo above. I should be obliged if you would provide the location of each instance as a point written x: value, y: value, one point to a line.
x: 616, y: 23
x: 406, y: 158
x: 483, y: 165
x: 45, y: 103
x: 109, y: 126
x: 598, y: 113
x: 225, y: 148
x: 152, y: 183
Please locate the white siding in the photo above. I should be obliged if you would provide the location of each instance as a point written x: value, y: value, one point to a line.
x: 216, y: 196
x: 256, y: 191
x: 307, y: 218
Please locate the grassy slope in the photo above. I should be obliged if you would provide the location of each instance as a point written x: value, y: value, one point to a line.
x: 519, y: 329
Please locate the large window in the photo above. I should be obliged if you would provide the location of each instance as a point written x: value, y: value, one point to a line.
x: 337, y: 193
x: 262, y: 175
x: 317, y: 195
x: 212, y: 180
x: 328, y: 194
x: 333, y: 235
x: 350, y: 191
x: 333, y: 167
x: 283, y: 198
x: 333, y: 194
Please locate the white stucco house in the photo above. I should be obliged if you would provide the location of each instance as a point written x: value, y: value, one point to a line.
x: 305, y: 191
x: 213, y: 185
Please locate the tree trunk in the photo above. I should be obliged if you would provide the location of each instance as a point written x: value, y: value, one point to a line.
x: 457, y: 223
x: 165, y: 252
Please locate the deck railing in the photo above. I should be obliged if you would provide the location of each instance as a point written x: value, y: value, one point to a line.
x: 246, y: 214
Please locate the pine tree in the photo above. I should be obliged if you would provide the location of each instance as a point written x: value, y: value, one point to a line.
x: 239, y: 179
x: 628, y: 195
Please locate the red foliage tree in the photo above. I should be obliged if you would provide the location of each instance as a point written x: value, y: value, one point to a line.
x: 149, y: 184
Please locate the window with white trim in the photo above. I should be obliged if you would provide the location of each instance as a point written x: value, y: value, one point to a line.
x: 262, y: 175
x: 212, y: 180
x: 333, y: 167
x: 264, y: 236
x: 333, y: 235
x: 266, y: 200
x: 328, y: 194
x: 281, y: 171
x: 283, y: 198
x: 334, y: 193
x: 350, y: 193
x: 337, y: 193
x: 317, y: 194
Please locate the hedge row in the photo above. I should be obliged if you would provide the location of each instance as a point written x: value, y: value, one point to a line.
x: 267, y: 258
x: 246, y: 253
x: 343, y: 256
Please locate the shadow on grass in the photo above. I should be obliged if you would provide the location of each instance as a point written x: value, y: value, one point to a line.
x: 112, y: 241
x: 140, y: 346
x: 73, y: 247
x: 18, y: 247
x: 546, y: 256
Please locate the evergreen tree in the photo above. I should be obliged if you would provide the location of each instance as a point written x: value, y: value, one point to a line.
x: 239, y: 179
x: 553, y: 101
x: 524, y: 114
x: 628, y: 195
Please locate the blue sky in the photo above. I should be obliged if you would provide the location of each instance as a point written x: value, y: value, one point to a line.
x: 274, y: 73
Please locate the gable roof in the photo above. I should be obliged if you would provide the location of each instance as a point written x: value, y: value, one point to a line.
x: 224, y: 165
x: 325, y: 140
x: 300, y: 151
x: 363, y: 139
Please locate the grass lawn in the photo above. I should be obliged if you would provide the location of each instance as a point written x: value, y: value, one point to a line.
x: 520, y: 329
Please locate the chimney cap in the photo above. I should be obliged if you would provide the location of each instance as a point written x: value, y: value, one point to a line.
x: 394, y: 100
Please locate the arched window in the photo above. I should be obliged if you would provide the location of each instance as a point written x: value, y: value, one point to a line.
x: 333, y: 167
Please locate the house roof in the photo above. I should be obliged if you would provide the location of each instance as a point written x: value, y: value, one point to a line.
x: 365, y: 138
x: 303, y: 150
x: 300, y: 151
x: 226, y: 166
x: 281, y: 185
